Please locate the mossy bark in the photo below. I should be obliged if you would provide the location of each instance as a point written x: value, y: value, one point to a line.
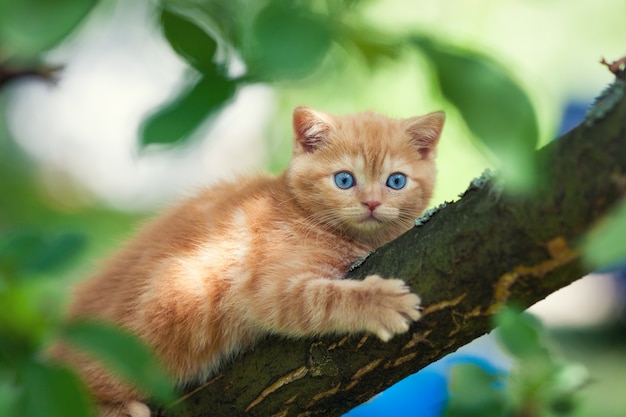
x: 467, y: 260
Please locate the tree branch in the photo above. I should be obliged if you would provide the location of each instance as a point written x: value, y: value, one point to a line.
x: 468, y: 259
x: 10, y: 73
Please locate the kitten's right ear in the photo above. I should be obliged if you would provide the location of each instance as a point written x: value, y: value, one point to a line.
x: 425, y: 131
x: 311, y: 128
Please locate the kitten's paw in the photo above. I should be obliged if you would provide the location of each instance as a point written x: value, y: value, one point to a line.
x: 130, y: 409
x: 137, y: 409
x: 394, y: 307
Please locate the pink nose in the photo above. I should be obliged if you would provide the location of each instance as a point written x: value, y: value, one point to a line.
x: 371, y: 204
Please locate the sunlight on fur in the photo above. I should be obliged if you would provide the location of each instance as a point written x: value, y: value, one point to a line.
x: 267, y: 254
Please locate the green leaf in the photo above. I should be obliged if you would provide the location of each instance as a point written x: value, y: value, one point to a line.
x: 55, y: 252
x: 52, y: 391
x: 191, y: 42
x: 28, y: 27
x: 177, y: 120
x: 11, y: 348
x: 494, y: 106
x: 8, y: 396
x: 16, y: 249
x: 23, y: 321
x: 373, y: 47
x: 570, y: 378
x: 521, y: 334
x: 289, y: 42
x: 122, y: 353
x: 605, y: 245
x: 475, y: 392
x: 26, y: 251
x: 566, y: 385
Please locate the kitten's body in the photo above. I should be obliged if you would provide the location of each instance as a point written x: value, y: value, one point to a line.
x: 267, y: 254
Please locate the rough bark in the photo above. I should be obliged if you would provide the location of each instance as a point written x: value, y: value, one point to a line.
x: 468, y: 259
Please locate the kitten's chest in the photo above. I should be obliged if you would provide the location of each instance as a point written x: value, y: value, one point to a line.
x: 251, y: 247
x: 319, y: 247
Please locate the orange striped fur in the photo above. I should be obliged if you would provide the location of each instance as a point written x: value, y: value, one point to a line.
x: 267, y: 254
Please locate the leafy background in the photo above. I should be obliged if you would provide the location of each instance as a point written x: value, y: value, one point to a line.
x: 155, y: 99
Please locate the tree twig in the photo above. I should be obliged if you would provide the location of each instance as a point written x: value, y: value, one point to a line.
x: 10, y: 73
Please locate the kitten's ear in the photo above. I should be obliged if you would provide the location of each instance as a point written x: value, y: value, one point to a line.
x: 311, y: 128
x: 425, y: 131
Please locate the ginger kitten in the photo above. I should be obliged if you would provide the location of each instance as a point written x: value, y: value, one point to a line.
x: 267, y: 254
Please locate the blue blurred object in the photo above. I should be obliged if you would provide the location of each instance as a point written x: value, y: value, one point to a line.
x: 424, y: 394
x: 573, y: 114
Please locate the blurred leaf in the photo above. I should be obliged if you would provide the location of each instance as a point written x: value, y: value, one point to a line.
x: 520, y: 334
x: 566, y: 385
x: 475, y: 392
x: 55, y: 252
x: 605, y: 245
x: 570, y: 378
x: 28, y: 27
x: 8, y: 396
x: 11, y: 348
x: 16, y: 249
x: 53, y: 391
x: 177, y: 120
x: 564, y: 406
x: 191, y: 42
x: 290, y: 42
x: 23, y: 321
x: 495, y: 108
x: 224, y: 18
x: 372, y: 46
x: 540, y: 382
x: 122, y: 353
x: 29, y: 251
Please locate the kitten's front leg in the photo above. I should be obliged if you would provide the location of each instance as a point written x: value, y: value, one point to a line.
x: 393, y: 306
x: 310, y: 305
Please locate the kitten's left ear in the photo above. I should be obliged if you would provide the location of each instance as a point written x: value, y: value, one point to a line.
x: 311, y: 128
x: 425, y: 131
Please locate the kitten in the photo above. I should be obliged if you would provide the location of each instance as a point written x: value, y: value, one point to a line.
x: 267, y: 254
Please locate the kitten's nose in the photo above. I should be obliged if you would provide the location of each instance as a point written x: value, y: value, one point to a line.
x: 371, y: 204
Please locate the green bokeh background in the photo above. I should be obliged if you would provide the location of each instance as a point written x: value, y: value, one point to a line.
x: 550, y: 50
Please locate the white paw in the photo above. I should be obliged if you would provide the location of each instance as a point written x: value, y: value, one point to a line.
x: 137, y: 409
x: 394, y: 307
x: 129, y: 409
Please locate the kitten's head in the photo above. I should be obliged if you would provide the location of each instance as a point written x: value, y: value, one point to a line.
x: 366, y: 175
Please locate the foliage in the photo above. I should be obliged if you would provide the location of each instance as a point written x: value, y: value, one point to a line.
x: 31, y: 257
x: 282, y: 42
x: 277, y: 42
x: 29, y: 27
x: 121, y: 352
x: 495, y: 108
x: 605, y: 245
x: 540, y: 384
x: 30, y: 384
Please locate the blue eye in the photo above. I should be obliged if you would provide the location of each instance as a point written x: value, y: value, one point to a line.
x: 344, y: 180
x: 396, y: 181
